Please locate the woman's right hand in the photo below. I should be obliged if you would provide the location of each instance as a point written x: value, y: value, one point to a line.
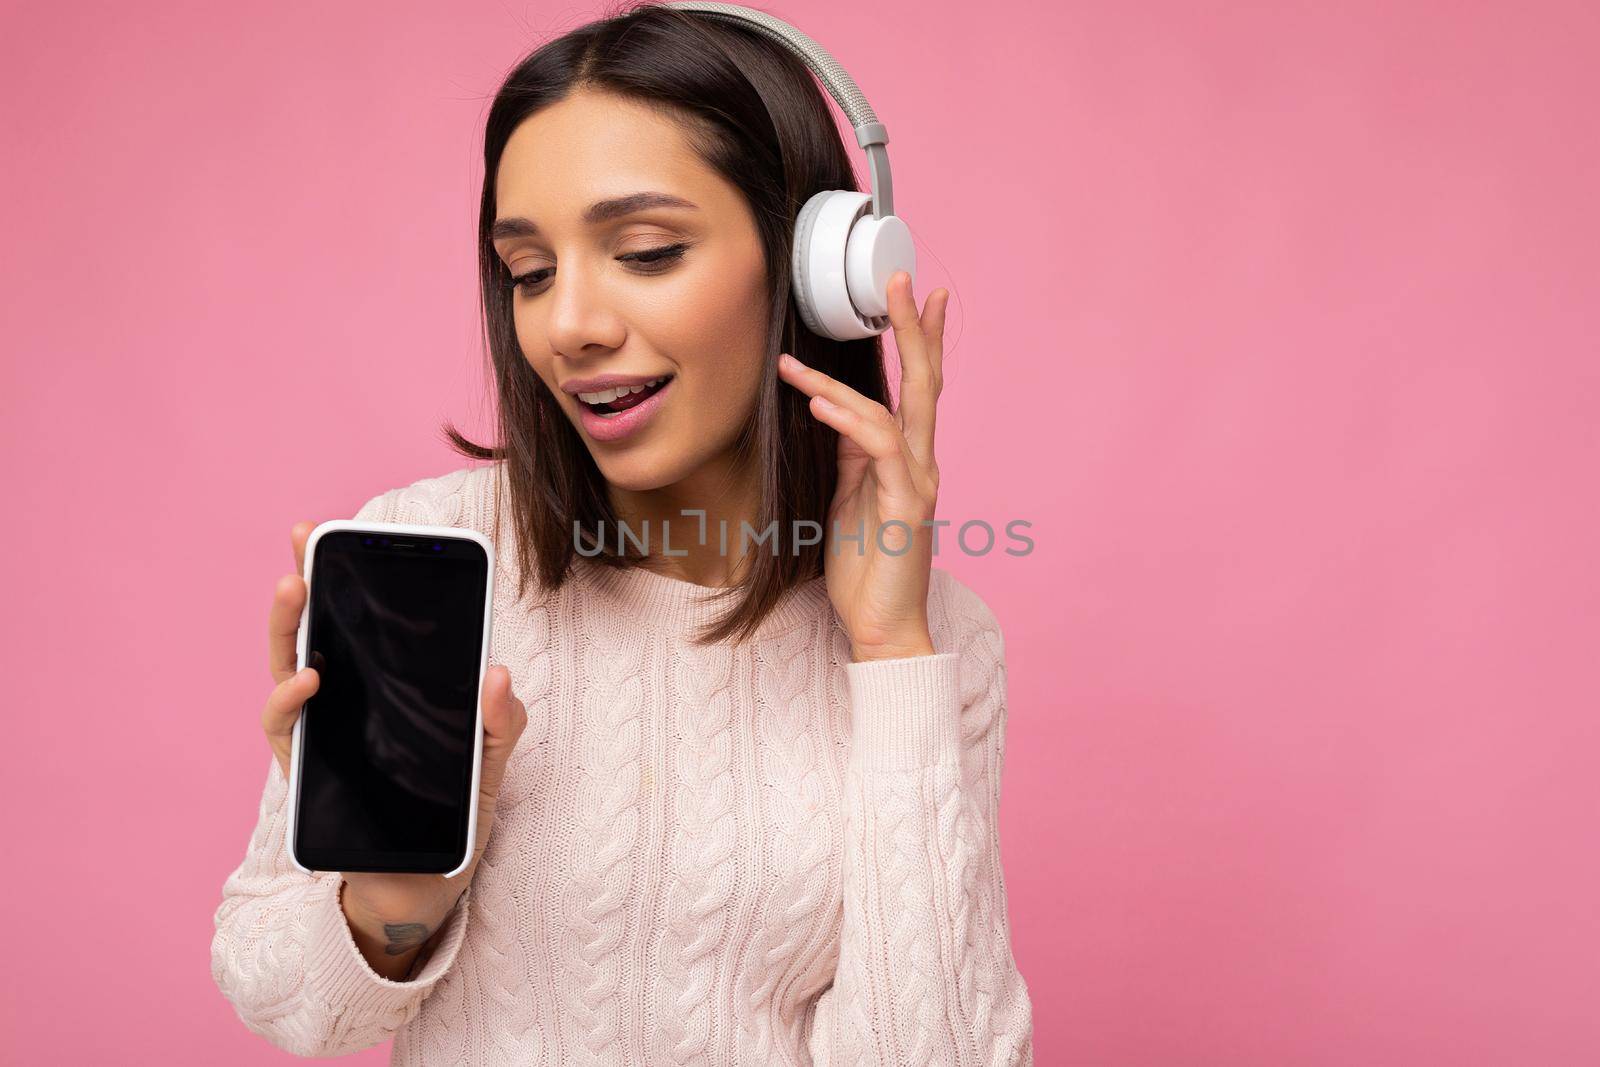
x: 389, y: 909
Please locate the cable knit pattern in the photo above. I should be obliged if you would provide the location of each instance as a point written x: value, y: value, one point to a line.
x: 703, y: 848
x: 790, y: 764
x: 754, y: 854
x: 604, y: 849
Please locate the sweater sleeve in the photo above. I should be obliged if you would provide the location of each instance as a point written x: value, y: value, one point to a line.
x: 283, y: 954
x: 925, y: 972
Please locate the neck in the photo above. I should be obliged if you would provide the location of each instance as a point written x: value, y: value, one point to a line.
x: 725, y: 490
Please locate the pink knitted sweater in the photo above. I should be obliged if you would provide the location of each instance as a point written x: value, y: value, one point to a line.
x: 754, y: 854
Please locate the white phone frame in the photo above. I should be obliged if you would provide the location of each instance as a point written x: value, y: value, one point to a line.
x: 391, y: 529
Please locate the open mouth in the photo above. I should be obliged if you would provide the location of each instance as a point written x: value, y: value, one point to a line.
x: 629, y: 400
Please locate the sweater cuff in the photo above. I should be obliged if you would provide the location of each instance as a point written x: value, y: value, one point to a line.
x: 345, y: 979
x: 905, y: 713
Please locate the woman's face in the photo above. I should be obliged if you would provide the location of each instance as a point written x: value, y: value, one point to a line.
x: 584, y: 311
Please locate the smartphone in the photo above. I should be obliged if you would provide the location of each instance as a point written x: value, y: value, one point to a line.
x: 386, y: 755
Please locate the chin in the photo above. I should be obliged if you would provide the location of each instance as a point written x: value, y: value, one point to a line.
x: 637, y: 474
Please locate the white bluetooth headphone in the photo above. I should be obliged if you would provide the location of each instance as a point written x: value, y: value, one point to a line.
x: 843, y: 256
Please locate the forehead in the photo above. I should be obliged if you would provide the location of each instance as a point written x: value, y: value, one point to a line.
x: 589, y: 146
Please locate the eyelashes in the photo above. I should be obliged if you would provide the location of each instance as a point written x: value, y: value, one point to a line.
x: 651, y: 260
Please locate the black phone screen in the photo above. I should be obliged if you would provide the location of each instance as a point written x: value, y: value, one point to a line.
x: 386, y: 748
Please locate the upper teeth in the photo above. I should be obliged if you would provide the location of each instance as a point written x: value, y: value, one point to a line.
x: 606, y: 396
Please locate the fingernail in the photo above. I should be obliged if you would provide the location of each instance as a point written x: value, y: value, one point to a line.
x: 786, y: 359
x: 824, y: 404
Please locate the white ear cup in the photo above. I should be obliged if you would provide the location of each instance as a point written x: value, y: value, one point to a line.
x: 843, y: 260
x: 876, y: 250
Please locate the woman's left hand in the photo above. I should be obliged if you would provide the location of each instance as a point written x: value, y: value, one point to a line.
x: 888, y: 485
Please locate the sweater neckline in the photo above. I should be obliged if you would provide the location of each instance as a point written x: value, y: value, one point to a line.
x: 683, y: 608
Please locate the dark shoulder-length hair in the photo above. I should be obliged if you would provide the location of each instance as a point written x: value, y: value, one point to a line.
x: 753, y: 113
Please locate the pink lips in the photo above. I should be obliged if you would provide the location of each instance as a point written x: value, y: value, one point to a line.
x: 621, y: 425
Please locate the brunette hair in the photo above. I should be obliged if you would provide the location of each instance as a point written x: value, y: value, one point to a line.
x: 752, y: 111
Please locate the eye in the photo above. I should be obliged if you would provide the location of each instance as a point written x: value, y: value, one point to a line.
x: 666, y: 254
x: 647, y: 259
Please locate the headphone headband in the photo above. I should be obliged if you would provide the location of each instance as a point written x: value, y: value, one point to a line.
x: 871, y: 134
x: 843, y: 257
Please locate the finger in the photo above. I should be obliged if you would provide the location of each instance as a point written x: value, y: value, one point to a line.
x: 880, y: 437
x: 864, y: 421
x: 919, y: 391
x: 933, y: 315
x: 283, y: 710
x: 504, y: 715
x: 504, y: 718
x: 813, y: 382
x: 299, y: 533
x: 283, y: 625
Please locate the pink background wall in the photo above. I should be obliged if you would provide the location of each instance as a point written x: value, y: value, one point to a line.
x: 1303, y: 714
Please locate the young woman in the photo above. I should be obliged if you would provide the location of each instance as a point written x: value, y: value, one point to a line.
x: 739, y: 806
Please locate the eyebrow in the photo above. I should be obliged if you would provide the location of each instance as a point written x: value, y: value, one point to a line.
x: 599, y: 211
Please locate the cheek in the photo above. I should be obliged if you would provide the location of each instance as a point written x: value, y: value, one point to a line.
x: 523, y: 325
x: 529, y: 340
x: 722, y: 328
x: 703, y: 305
x: 726, y: 388
x: 724, y: 352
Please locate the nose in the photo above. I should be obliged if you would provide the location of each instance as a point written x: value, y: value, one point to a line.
x: 580, y: 319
